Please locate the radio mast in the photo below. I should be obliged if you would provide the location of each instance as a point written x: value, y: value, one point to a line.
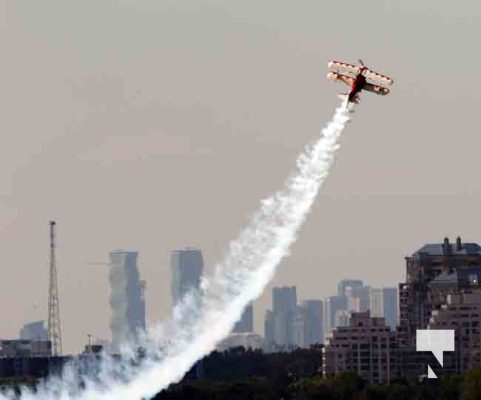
x: 54, y: 331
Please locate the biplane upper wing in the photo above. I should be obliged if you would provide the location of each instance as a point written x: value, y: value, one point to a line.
x: 340, y: 77
x: 378, y: 77
x: 339, y: 64
x: 376, y: 89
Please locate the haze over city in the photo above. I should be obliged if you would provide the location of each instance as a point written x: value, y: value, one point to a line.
x: 155, y: 126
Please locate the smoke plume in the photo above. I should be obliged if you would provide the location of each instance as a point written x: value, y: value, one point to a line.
x: 204, y: 319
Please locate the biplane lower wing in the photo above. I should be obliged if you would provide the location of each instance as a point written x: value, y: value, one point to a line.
x: 376, y: 89
x: 340, y: 77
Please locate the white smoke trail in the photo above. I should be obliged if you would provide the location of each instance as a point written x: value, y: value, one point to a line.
x: 173, y: 348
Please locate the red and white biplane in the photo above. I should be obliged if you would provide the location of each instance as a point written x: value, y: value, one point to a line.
x: 359, y: 80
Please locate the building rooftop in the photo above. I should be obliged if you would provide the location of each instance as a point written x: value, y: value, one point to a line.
x: 124, y: 251
x: 447, y: 248
x: 461, y: 276
x: 187, y: 249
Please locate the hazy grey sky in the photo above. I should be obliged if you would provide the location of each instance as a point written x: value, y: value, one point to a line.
x: 155, y: 125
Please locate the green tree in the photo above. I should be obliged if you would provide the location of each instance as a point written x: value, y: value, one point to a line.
x: 471, y: 386
x: 394, y: 391
x: 427, y: 390
x: 450, y: 387
x: 346, y: 385
x: 313, y: 388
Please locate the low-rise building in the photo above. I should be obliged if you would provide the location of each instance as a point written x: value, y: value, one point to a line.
x: 25, y: 348
x: 367, y: 346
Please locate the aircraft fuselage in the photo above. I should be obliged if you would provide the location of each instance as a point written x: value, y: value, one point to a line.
x: 357, y: 86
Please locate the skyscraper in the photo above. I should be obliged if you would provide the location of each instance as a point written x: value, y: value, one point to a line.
x: 438, y: 277
x: 284, y: 298
x: 346, y: 283
x: 269, y: 330
x: 429, y: 271
x: 126, y: 298
x: 308, y: 329
x: 357, y: 296
x: 187, y: 266
x: 390, y: 306
x: 376, y: 302
x: 332, y: 305
x: 246, y: 323
x: 284, y: 304
x: 352, y: 296
x: 341, y: 318
x: 142, y: 311
x: 34, y: 331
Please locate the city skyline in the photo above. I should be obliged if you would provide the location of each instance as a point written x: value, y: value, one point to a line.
x: 167, y: 130
x: 283, y: 296
x: 441, y: 290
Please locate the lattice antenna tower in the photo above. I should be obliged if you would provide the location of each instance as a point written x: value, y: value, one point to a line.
x: 54, y: 330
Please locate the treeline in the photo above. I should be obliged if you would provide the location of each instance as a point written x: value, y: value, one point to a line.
x: 239, y: 374
x: 345, y: 386
x: 239, y: 363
